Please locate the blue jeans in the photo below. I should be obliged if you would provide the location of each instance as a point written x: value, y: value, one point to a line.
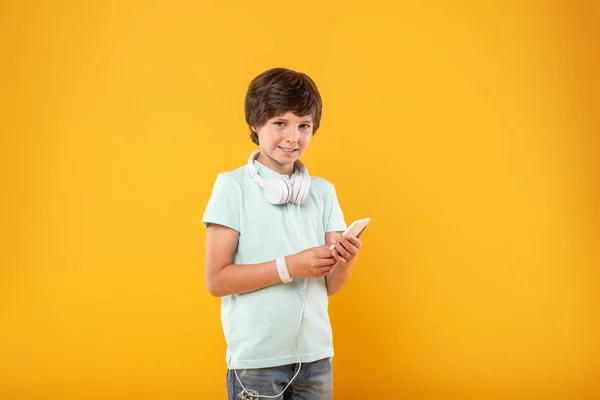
x: 314, y: 382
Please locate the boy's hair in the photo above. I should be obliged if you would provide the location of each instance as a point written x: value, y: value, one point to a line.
x: 277, y: 91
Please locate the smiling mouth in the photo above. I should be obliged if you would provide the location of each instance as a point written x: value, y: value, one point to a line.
x: 289, y: 150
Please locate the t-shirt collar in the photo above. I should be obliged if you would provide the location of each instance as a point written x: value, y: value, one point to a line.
x: 266, y: 172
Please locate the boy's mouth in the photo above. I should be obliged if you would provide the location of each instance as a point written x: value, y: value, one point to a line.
x: 287, y: 150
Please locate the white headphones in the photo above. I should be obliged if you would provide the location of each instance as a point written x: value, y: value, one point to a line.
x: 278, y: 190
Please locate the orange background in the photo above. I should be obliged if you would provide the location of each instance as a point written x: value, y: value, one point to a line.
x: 467, y: 132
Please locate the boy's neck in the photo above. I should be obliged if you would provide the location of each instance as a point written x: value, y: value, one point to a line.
x: 283, y: 169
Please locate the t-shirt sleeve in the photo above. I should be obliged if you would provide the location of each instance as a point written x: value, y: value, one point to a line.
x: 334, y: 217
x: 224, y: 205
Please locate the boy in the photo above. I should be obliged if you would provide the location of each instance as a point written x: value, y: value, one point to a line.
x: 270, y: 228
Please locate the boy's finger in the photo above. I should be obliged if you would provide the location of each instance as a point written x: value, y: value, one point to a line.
x: 355, y: 241
x: 341, y: 249
x: 349, y: 247
x: 339, y: 258
x: 324, y: 252
x: 327, y: 262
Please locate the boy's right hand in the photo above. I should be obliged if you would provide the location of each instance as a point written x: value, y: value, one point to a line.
x: 311, y: 263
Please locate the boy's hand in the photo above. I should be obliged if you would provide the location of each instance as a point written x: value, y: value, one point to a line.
x: 312, y: 263
x: 346, y: 249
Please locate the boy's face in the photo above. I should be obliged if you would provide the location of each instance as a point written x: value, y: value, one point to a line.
x: 282, y: 140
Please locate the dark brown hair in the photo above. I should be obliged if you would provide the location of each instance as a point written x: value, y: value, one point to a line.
x: 277, y: 91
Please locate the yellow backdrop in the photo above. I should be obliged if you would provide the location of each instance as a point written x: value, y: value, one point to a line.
x: 468, y: 133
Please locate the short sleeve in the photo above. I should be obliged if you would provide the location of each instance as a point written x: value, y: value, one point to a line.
x: 224, y: 205
x: 334, y: 216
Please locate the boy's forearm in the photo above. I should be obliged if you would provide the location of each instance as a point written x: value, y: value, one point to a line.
x: 338, y: 278
x: 243, y: 278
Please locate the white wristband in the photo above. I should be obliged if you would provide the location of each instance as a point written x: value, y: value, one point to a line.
x: 282, y: 268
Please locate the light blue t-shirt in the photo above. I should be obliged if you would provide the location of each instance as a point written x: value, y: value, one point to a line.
x: 259, y: 327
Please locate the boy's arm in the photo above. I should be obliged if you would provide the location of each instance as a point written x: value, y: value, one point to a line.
x: 222, y: 276
x: 342, y: 270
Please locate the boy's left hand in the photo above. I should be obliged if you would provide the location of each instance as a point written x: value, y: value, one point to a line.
x: 346, y: 249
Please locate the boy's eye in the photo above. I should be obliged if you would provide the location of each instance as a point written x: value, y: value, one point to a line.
x: 282, y: 124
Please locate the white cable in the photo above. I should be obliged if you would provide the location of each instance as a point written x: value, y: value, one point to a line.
x: 295, y: 336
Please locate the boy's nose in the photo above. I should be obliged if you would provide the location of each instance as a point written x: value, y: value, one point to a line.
x: 293, y: 134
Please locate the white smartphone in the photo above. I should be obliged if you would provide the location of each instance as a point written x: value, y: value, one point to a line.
x: 356, y: 228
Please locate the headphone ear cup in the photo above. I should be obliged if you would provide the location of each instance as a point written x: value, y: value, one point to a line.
x: 304, y: 189
x: 288, y: 190
x: 297, y: 189
x: 277, y: 191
